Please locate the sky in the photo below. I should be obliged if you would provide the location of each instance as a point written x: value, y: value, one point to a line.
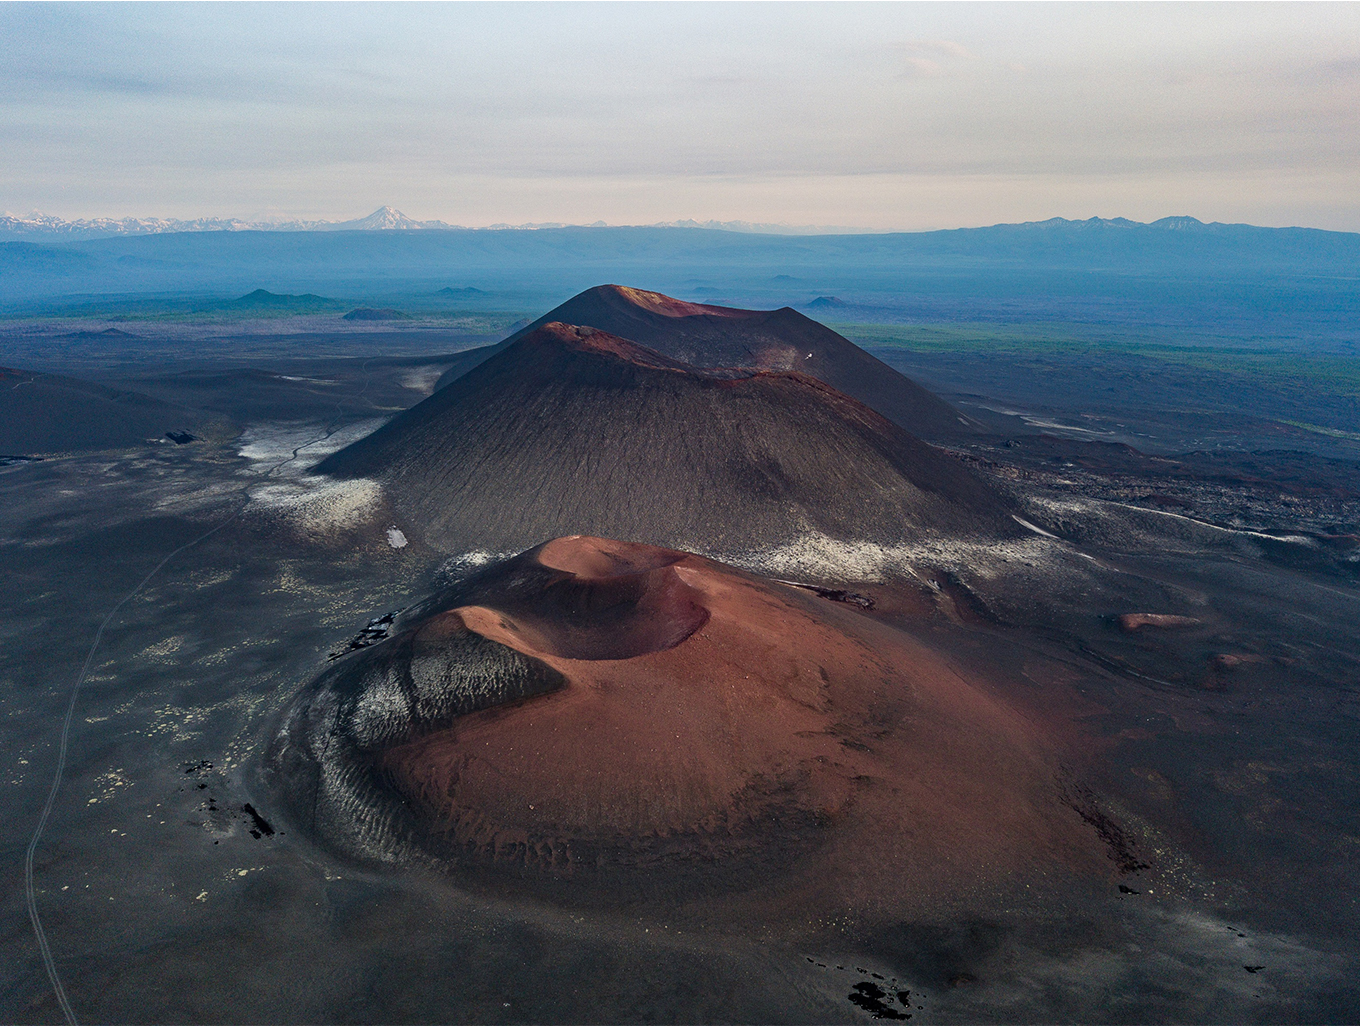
x: 880, y: 116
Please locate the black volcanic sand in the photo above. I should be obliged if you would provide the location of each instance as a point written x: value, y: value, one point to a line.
x: 610, y: 721
x: 776, y: 340
x: 1236, y: 780
x: 42, y: 413
x: 313, y: 347
x: 573, y: 431
x: 302, y: 390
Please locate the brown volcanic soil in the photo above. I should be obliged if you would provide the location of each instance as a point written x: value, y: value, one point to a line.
x: 572, y: 431
x: 675, y: 726
x: 776, y: 340
x: 41, y: 413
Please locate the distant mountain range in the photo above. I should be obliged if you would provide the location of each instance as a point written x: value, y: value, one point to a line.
x: 1216, y: 278
x: 41, y: 227
x: 382, y: 219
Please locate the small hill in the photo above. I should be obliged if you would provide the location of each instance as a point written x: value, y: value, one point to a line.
x: 110, y: 334
x: 468, y: 292
x: 42, y: 413
x: 775, y: 340
x: 570, y: 430
x: 271, y: 302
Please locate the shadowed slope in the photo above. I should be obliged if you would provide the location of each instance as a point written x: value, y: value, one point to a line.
x: 570, y: 430
x: 778, y: 340
x: 51, y: 413
x: 720, y: 731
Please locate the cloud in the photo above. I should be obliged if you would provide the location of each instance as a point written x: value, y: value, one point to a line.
x: 483, y: 113
x: 931, y: 58
x: 921, y: 67
x: 940, y: 47
x: 1345, y: 67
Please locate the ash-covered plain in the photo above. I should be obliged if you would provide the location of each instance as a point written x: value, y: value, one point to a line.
x: 436, y: 715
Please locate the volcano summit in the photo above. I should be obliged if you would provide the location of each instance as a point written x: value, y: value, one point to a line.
x: 773, y: 340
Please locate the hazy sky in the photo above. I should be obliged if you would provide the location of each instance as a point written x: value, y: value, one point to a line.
x: 875, y: 115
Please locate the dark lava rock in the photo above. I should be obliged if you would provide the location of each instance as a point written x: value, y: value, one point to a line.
x: 874, y: 1000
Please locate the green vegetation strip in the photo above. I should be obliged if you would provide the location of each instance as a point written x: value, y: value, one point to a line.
x: 1319, y: 430
x: 1338, y: 374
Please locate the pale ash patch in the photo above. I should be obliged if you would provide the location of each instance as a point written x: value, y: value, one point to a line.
x: 321, y: 505
x: 455, y: 568
x: 165, y: 650
x: 395, y: 538
x: 819, y: 556
x: 274, y: 442
x: 276, y: 480
x: 1207, y: 969
x: 314, y: 504
x: 422, y: 379
x: 107, y: 785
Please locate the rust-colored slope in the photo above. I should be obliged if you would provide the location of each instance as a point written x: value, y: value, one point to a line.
x: 715, y: 727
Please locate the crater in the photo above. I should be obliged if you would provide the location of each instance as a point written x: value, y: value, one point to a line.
x: 625, y: 716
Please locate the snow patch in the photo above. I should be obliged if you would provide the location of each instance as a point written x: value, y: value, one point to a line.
x: 1030, y: 527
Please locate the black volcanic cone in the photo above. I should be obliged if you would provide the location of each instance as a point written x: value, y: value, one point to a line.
x: 574, y: 431
x: 51, y: 413
x: 780, y: 340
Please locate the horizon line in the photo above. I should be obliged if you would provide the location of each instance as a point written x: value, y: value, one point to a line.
x: 388, y: 218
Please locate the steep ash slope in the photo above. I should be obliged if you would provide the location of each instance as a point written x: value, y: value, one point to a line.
x: 778, y: 340
x: 573, y: 431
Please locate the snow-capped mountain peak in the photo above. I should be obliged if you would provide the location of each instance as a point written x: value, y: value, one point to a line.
x: 36, y: 224
x: 383, y: 219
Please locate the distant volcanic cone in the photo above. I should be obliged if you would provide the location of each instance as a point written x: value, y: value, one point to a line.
x: 571, y: 430
x: 777, y: 340
x: 622, y: 715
